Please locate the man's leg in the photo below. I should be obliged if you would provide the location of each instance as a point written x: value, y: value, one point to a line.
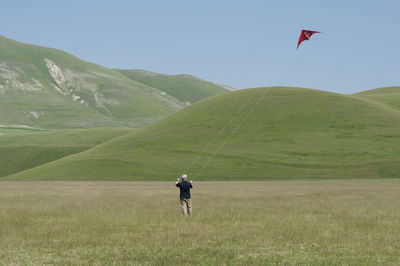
x: 189, y: 205
x: 183, y: 205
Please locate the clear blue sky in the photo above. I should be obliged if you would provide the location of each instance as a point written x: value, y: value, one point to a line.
x: 239, y: 43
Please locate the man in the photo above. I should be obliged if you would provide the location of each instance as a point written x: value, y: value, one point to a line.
x: 185, y: 187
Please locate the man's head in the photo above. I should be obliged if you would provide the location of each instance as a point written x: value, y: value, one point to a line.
x: 184, y: 177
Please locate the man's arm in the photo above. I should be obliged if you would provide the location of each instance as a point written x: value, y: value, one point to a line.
x: 191, y: 183
x: 177, y: 182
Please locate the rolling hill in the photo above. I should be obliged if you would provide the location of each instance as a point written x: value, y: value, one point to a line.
x: 389, y: 96
x: 253, y: 134
x: 185, y: 88
x: 44, y: 88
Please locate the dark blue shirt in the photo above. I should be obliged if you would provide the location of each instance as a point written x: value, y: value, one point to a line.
x: 185, y: 187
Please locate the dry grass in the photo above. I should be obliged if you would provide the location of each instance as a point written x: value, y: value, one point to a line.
x: 307, y: 222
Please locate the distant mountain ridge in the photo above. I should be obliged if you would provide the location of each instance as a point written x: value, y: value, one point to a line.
x: 184, y: 87
x: 47, y: 88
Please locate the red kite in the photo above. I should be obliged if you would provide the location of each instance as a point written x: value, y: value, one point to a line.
x: 305, y: 35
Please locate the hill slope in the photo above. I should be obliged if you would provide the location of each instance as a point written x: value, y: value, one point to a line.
x: 268, y: 133
x: 19, y: 152
x: 388, y: 96
x: 185, y: 88
x: 47, y: 88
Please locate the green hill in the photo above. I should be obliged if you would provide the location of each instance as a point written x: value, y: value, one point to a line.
x: 48, y: 88
x: 254, y: 134
x: 19, y: 152
x: 185, y: 88
x: 389, y: 96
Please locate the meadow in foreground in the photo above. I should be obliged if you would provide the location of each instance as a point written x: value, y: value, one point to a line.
x: 245, y: 223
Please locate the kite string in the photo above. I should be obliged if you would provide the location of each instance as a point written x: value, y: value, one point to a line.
x: 218, y: 134
x: 229, y: 122
x: 285, y: 63
x: 230, y: 135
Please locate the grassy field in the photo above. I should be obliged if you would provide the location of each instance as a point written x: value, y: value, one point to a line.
x: 234, y: 223
x: 255, y: 134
